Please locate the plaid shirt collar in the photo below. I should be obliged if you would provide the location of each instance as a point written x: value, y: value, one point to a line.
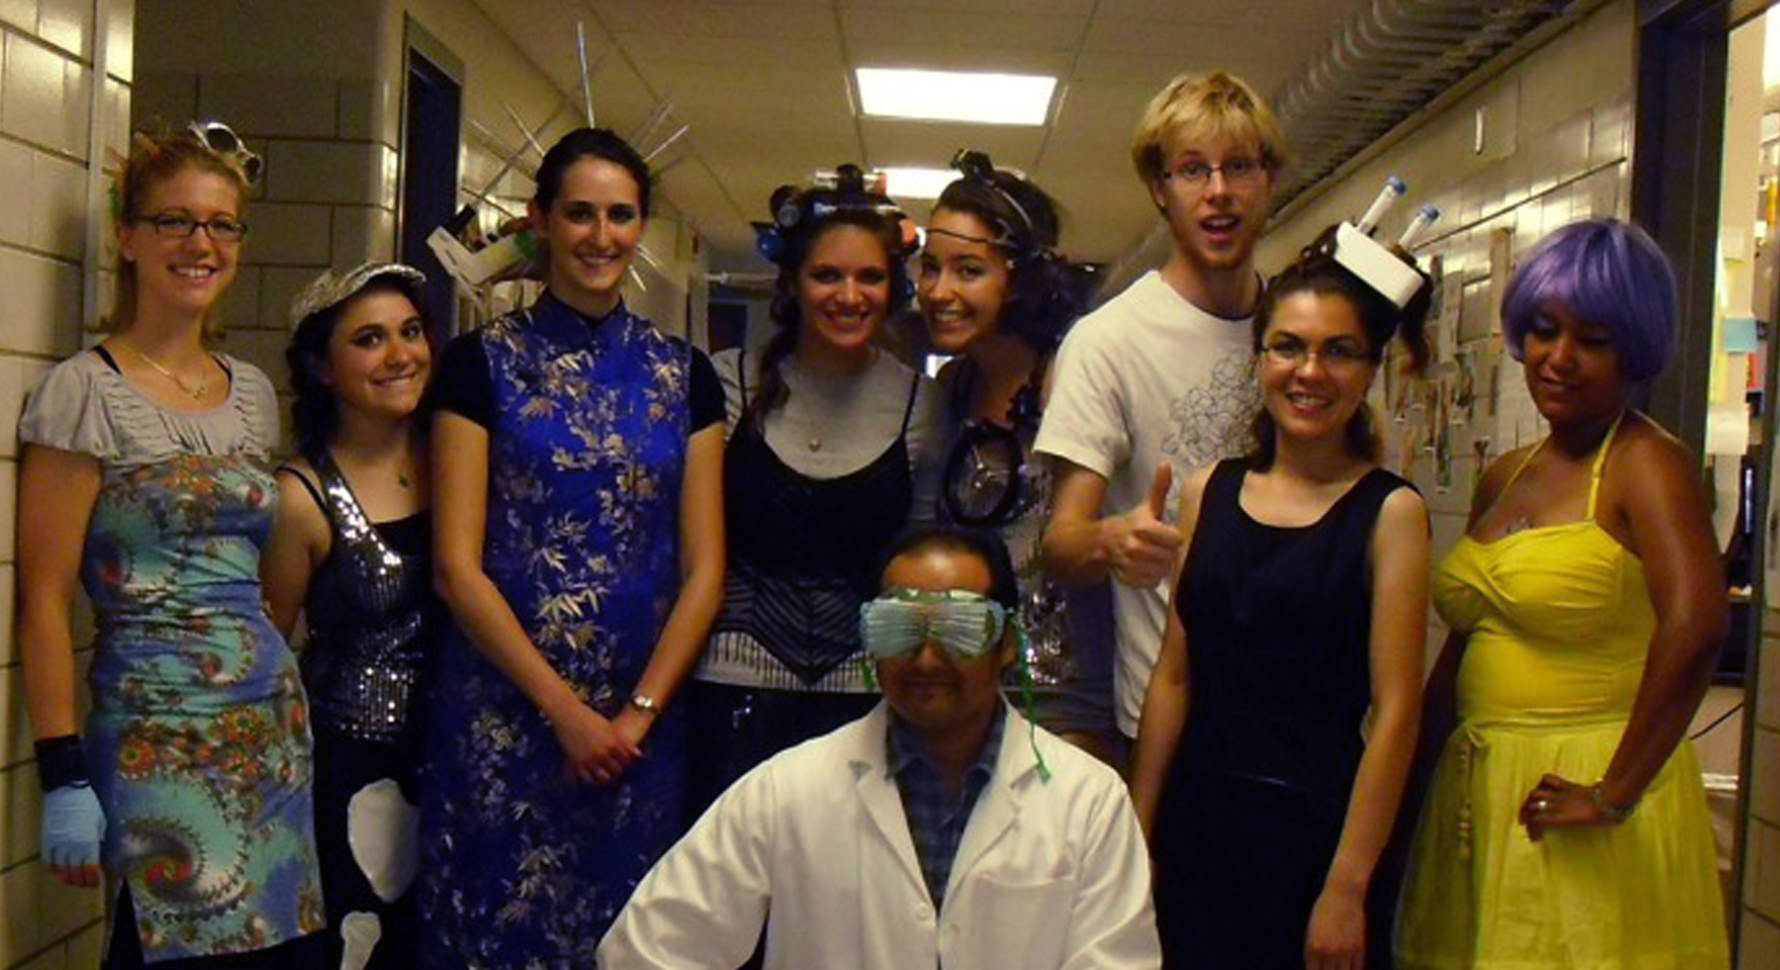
x: 936, y: 819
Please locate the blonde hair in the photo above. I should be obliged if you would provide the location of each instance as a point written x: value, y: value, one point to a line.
x: 159, y: 153
x: 1205, y: 106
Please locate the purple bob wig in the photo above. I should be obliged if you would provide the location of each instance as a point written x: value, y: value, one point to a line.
x: 1608, y: 273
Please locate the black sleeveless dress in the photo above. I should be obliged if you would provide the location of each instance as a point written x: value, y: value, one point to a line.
x: 1278, y: 623
x: 367, y: 666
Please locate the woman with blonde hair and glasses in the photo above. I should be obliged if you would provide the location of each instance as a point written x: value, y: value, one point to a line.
x: 143, y: 474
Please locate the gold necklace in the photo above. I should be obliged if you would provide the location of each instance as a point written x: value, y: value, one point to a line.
x: 197, y: 393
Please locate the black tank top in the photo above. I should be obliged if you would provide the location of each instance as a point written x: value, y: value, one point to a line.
x: 372, y: 617
x: 1280, y: 621
x: 802, y: 550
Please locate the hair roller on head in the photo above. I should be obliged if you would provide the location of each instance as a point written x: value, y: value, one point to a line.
x: 796, y: 214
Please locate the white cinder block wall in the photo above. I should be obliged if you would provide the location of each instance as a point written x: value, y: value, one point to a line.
x: 50, y: 90
x: 1557, y: 128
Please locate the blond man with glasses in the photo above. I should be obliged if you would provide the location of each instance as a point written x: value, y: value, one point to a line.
x: 1156, y: 382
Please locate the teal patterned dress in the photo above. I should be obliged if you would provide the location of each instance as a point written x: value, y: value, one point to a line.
x: 588, y: 422
x: 198, y: 740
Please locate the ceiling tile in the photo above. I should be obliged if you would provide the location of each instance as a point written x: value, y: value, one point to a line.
x: 1010, y: 60
x: 765, y: 103
x: 730, y: 57
x: 1102, y: 107
x: 789, y: 19
x: 1314, y: 15
x: 950, y: 27
x: 932, y: 144
x: 1117, y: 36
x: 980, y: 8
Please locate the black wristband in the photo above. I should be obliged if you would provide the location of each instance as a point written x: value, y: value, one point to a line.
x: 61, y: 762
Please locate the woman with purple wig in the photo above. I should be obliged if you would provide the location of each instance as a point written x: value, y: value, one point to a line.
x: 1566, y: 825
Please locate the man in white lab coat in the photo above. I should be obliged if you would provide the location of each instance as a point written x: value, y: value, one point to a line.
x: 942, y: 829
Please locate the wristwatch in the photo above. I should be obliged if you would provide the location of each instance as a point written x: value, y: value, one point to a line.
x: 645, y: 703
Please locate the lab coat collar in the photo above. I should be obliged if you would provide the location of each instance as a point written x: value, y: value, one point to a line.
x: 997, y: 808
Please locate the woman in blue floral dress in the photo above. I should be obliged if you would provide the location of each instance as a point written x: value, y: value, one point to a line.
x: 578, y: 542
x: 143, y: 473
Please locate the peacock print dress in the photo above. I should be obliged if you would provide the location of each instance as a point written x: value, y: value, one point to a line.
x: 198, y: 740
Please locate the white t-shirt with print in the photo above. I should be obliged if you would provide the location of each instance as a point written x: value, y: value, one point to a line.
x: 1147, y: 376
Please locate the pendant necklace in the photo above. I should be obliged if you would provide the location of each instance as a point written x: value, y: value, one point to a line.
x: 196, y: 393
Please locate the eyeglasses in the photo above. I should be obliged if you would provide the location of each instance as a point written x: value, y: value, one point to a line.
x: 961, y: 622
x: 172, y: 226
x: 220, y: 138
x: 1333, y: 356
x: 1239, y: 172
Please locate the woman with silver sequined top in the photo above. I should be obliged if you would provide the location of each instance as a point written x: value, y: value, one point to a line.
x: 351, y: 553
x: 995, y: 293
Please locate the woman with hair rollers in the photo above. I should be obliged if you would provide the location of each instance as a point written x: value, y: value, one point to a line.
x: 994, y: 291
x: 142, y: 474
x: 1299, y: 603
x: 833, y: 449
x: 578, y: 542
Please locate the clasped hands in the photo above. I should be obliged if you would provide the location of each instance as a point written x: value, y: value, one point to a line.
x: 597, y: 749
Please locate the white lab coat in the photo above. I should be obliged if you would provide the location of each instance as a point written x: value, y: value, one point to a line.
x: 1050, y: 875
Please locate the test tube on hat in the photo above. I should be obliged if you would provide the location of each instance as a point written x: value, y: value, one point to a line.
x: 1370, y: 260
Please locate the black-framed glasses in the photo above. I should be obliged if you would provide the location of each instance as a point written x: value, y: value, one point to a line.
x: 1239, y: 172
x: 220, y: 138
x: 172, y: 225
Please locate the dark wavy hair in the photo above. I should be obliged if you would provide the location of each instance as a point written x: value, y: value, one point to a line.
x: 822, y: 210
x: 1317, y: 271
x: 602, y: 143
x: 1046, y: 293
x: 987, y: 545
x: 314, y: 411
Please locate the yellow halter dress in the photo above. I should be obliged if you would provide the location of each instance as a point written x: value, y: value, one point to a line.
x: 1558, y: 622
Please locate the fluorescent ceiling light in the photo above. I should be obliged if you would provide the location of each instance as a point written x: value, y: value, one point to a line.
x: 917, y: 183
x: 995, y: 99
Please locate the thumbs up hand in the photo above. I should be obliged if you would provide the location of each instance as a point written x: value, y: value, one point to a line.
x: 1141, y: 545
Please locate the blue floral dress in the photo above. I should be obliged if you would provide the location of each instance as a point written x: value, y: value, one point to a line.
x: 198, y: 740
x: 588, y: 425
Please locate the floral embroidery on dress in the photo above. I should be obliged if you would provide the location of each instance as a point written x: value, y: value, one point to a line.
x: 586, y: 453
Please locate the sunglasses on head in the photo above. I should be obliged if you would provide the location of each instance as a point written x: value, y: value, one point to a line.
x: 220, y: 138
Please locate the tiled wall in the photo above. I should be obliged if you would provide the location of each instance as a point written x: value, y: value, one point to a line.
x: 48, y: 49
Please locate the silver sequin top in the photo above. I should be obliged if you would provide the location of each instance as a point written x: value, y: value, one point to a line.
x: 372, y: 618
